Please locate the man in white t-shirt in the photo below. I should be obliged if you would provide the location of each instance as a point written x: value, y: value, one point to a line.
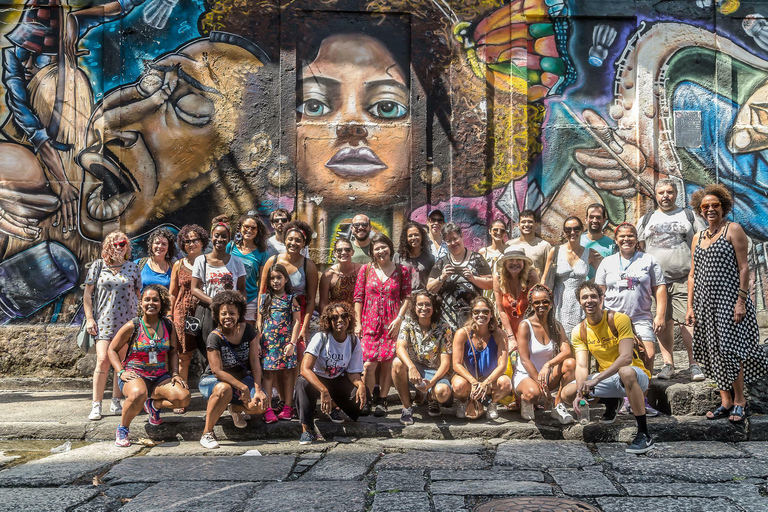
x: 667, y: 234
x: 535, y: 248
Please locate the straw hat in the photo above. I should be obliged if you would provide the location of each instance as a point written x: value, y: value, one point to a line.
x: 512, y: 253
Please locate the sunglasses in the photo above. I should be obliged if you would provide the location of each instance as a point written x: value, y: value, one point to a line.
x: 437, y: 221
x: 121, y: 243
x: 537, y: 303
x: 279, y: 220
x: 192, y: 241
x: 343, y: 316
x: 358, y: 225
x: 710, y: 206
x: 572, y: 230
x: 248, y: 228
x: 498, y: 230
x: 342, y: 250
x: 485, y: 312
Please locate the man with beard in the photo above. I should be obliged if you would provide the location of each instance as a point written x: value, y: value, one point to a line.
x: 667, y: 234
x: 535, y: 248
x: 594, y: 238
x: 361, y: 239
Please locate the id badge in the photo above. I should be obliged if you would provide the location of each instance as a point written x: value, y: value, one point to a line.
x: 153, y: 357
x: 623, y: 283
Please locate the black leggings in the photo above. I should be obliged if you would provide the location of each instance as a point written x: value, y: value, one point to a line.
x: 342, y: 391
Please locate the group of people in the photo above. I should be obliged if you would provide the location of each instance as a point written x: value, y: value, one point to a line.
x: 510, y: 325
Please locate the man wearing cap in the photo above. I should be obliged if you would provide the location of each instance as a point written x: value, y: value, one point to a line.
x: 436, y: 221
x: 534, y: 247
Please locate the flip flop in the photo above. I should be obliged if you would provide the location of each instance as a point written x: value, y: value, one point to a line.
x: 720, y: 412
x: 737, y: 411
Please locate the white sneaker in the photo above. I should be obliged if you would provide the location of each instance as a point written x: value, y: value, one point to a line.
x: 95, y: 412
x: 561, y: 414
x: 237, y: 418
x: 526, y: 411
x: 461, y: 410
x: 492, y: 411
x: 209, y: 441
x: 116, y: 407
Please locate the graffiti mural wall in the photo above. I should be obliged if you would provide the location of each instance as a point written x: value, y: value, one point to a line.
x: 132, y: 114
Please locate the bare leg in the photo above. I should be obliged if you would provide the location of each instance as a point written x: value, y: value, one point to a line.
x: 529, y: 390
x: 217, y: 403
x: 667, y: 342
x: 288, y: 384
x: 169, y: 396
x: 385, y: 378
x: 686, y: 332
x: 562, y: 374
x: 501, y: 388
x: 116, y: 393
x: 185, y: 361
x: 369, y: 374
x: 135, y: 395
x: 400, y: 377
x: 268, y: 380
x: 100, y: 372
x: 738, y: 393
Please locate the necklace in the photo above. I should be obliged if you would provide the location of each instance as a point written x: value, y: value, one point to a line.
x: 453, y: 261
x: 710, y: 235
x: 146, y: 330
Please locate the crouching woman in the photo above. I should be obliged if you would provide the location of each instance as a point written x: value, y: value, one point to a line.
x: 234, y: 370
x: 153, y: 350
x: 331, y: 369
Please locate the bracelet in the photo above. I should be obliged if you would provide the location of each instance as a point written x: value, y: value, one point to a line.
x: 120, y: 372
x: 510, y: 336
x: 742, y: 290
x: 175, y: 373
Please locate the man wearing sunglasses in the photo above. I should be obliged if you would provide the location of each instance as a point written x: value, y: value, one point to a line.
x: 276, y: 243
x: 361, y: 239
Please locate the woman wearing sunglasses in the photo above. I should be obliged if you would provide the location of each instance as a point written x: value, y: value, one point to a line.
x: 567, y: 267
x: 545, y: 358
x: 480, y: 360
x: 110, y: 299
x: 513, y: 276
x: 337, y: 284
x: 192, y: 240
x: 331, y: 370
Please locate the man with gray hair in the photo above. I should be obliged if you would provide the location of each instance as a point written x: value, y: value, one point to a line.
x: 667, y: 233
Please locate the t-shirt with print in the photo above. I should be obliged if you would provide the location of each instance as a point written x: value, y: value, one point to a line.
x: 218, y: 279
x: 334, y: 358
x: 457, y: 292
x: 668, y: 237
x: 228, y: 361
x: 115, y: 296
x: 426, y: 348
x: 629, y: 283
x: 253, y: 261
x: 537, y: 251
x: 601, y: 342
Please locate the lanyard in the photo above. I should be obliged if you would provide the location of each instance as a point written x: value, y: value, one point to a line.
x: 631, y: 261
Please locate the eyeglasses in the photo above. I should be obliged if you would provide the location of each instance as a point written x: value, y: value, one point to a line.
x: 343, y: 316
x: 424, y: 305
x: 358, y: 225
x: 538, y: 303
x: 437, y: 221
x: 478, y: 312
x: 342, y: 250
x: 576, y: 229
x: 120, y: 243
x: 192, y: 241
x: 710, y: 206
x: 279, y: 220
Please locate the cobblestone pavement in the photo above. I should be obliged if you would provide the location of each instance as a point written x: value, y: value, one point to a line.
x: 391, y: 475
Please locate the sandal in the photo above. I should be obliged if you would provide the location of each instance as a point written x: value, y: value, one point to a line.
x: 720, y: 412
x: 737, y: 411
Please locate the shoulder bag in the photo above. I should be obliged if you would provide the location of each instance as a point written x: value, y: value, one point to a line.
x: 86, y: 340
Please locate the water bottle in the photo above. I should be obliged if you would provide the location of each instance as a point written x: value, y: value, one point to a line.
x: 583, y: 411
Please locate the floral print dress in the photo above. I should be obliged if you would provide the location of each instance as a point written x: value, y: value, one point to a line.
x: 276, y: 333
x: 381, y: 304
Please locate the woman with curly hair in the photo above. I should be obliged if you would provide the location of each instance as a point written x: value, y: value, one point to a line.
x: 480, y: 360
x: 414, y: 252
x: 192, y: 240
x: 338, y: 281
x: 148, y: 376
x: 233, y: 374
x: 545, y: 358
x: 156, y: 267
x: 725, y: 333
x: 250, y: 245
x: 215, y: 272
x: 111, y: 293
x: 331, y: 370
x: 513, y: 276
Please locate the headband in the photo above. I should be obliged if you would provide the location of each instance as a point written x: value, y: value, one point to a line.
x: 624, y: 225
x: 301, y: 231
x: 226, y: 226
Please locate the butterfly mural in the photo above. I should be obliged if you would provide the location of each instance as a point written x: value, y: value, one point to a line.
x: 520, y: 47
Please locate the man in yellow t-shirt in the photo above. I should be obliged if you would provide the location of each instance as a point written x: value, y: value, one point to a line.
x: 621, y: 372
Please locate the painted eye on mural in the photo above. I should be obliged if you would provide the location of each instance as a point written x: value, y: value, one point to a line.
x: 313, y: 108
x: 387, y: 109
x: 194, y: 109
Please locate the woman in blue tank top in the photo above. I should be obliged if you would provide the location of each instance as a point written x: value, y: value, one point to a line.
x: 480, y: 360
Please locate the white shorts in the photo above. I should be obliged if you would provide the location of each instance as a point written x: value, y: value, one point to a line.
x: 612, y: 387
x: 644, y: 329
x: 252, y: 307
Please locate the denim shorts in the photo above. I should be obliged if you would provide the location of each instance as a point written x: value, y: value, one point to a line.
x: 151, y: 382
x: 209, y: 382
x: 612, y: 387
x: 428, y: 373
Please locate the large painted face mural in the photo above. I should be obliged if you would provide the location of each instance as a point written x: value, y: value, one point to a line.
x: 135, y: 114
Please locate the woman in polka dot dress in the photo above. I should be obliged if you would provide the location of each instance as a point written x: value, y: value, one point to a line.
x: 725, y: 333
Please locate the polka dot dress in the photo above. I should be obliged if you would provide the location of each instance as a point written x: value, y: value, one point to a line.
x: 720, y: 344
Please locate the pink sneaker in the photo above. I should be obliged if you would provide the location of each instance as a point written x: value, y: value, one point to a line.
x: 153, y: 412
x: 269, y: 416
x: 286, y: 413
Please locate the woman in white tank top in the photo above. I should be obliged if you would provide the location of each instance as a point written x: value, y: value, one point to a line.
x: 545, y: 360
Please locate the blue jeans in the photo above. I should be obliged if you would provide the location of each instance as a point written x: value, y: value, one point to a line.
x: 209, y: 382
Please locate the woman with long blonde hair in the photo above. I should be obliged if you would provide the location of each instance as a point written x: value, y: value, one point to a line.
x: 513, y: 276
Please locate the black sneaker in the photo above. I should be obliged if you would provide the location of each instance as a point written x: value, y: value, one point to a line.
x: 307, y: 438
x: 406, y: 417
x: 433, y: 408
x: 611, y: 408
x: 366, y: 409
x: 336, y: 416
x: 381, y: 408
x: 643, y: 443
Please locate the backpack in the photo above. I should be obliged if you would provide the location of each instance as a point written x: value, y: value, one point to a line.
x: 639, y: 348
x: 644, y: 220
